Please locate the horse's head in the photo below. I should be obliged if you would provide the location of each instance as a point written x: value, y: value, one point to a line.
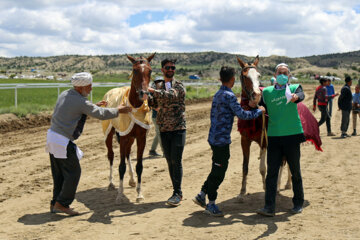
x: 141, y: 74
x: 250, y: 80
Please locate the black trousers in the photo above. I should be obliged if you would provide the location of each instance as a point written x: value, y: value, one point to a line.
x: 220, y: 162
x: 345, y: 119
x: 66, y: 175
x: 173, y: 143
x: 277, y: 148
x: 325, y: 116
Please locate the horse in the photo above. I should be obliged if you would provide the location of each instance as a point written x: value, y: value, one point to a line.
x: 131, y: 126
x: 252, y: 130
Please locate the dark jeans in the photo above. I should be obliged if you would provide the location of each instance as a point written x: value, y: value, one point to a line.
x: 173, y: 145
x: 345, y: 119
x: 330, y: 104
x: 66, y: 175
x: 277, y: 148
x: 220, y: 162
x: 325, y: 116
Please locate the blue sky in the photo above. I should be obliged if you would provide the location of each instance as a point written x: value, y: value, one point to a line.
x: 265, y: 27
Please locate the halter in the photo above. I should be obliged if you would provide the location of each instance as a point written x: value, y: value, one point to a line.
x: 248, y: 93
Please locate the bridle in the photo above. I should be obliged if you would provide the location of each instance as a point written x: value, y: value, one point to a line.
x: 139, y: 61
x: 242, y: 80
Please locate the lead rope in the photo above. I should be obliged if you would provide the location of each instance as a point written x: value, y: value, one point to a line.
x: 263, y: 133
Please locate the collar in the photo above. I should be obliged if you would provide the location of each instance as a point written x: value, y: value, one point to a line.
x: 225, y: 88
x: 277, y: 86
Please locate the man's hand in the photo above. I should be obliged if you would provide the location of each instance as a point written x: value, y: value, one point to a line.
x: 294, y: 97
x: 102, y: 103
x: 336, y: 94
x: 151, y: 90
x: 124, y: 109
x: 262, y: 109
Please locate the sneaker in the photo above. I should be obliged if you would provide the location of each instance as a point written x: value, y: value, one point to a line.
x: 354, y: 133
x: 296, y: 210
x: 265, y: 212
x: 199, y: 201
x: 213, y: 210
x: 153, y: 153
x: 343, y: 135
x: 331, y: 134
x: 174, y: 200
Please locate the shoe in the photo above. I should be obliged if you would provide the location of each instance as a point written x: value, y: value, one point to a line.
x: 343, y: 135
x: 153, y: 153
x: 331, y: 134
x: 265, y: 212
x: 174, y: 200
x: 58, y: 208
x: 354, y: 133
x: 199, y: 201
x: 296, y: 210
x: 213, y: 210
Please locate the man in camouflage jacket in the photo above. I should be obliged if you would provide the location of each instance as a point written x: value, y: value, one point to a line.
x: 171, y: 120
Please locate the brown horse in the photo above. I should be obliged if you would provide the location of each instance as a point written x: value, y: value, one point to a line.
x: 131, y: 126
x: 253, y: 130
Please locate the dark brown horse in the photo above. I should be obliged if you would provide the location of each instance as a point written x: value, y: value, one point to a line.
x: 131, y: 126
x: 252, y: 130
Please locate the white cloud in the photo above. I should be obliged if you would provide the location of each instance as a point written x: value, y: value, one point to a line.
x: 287, y: 27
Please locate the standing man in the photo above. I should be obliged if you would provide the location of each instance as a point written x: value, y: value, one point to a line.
x: 157, y: 84
x: 285, y: 133
x: 67, y: 124
x: 172, y: 125
x: 345, y: 105
x: 356, y: 107
x: 323, y: 97
x: 330, y: 91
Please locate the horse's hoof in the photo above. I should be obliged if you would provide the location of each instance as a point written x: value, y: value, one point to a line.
x: 111, y: 187
x: 121, y: 199
x: 132, y: 183
x: 140, y: 199
x: 240, y: 199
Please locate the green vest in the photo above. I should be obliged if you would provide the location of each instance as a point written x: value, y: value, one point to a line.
x: 284, y: 118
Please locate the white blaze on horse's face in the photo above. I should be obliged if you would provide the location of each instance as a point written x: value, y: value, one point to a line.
x: 254, y: 76
x: 142, y: 67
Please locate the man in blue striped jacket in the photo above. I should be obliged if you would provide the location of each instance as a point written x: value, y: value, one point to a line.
x: 224, y: 107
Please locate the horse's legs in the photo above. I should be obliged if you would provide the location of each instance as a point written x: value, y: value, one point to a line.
x: 122, y: 169
x: 131, y: 169
x: 141, y: 141
x: 288, y: 183
x: 262, y: 166
x: 110, y: 156
x: 245, y: 144
x: 280, y: 174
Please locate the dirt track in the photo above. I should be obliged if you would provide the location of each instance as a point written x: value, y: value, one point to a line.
x: 331, y: 183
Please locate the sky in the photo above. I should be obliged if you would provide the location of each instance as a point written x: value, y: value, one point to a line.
x: 265, y: 27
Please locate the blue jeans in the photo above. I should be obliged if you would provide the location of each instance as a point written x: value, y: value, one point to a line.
x: 277, y: 148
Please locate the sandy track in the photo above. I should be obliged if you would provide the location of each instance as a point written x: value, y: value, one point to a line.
x: 331, y: 184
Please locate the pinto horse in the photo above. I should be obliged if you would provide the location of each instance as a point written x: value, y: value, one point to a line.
x: 131, y: 126
x: 252, y: 130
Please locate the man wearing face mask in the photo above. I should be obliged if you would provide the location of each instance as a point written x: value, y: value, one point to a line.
x: 67, y: 123
x: 285, y: 133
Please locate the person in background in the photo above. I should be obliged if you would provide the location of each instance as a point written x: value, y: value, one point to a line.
x: 322, y: 97
x: 356, y: 107
x: 67, y: 123
x: 345, y: 105
x: 330, y: 91
x: 285, y: 134
x: 157, y: 84
x: 224, y: 107
x: 172, y: 124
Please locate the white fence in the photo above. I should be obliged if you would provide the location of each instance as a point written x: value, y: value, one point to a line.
x: 17, y: 86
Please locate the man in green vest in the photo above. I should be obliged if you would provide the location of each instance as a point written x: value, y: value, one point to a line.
x: 285, y: 133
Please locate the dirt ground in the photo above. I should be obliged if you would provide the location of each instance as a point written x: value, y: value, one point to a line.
x: 331, y: 184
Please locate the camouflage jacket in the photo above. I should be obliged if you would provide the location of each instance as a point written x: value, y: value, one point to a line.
x: 171, y: 116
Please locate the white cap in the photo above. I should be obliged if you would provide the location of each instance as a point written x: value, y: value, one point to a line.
x: 159, y: 78
x: 81, y: 79
x: 282, y: 65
